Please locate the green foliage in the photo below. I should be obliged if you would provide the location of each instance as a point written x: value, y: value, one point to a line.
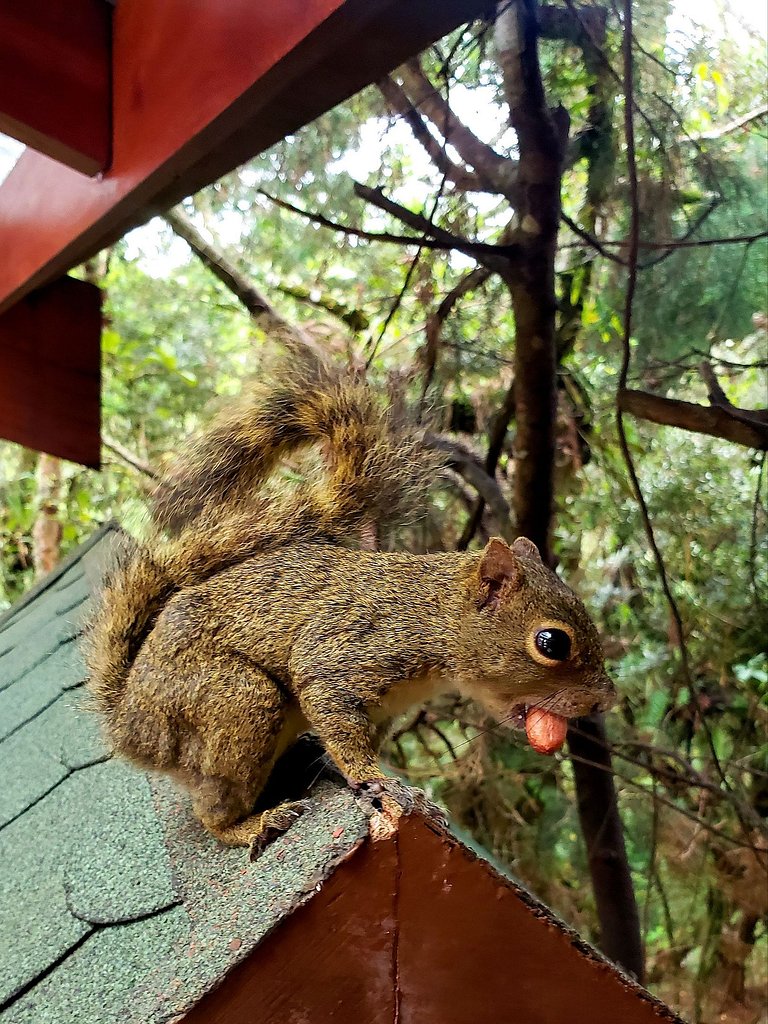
x: 699, y: 297
x: 16, y: 490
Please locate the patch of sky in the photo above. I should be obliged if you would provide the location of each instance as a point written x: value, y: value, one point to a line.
x: 10, y: 151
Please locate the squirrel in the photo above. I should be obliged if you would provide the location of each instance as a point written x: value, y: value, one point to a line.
x: 250, y: 616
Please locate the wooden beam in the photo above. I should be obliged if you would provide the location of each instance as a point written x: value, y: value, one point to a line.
x: 55, y: 83
x: 50, y: 371
x: 196, y: 91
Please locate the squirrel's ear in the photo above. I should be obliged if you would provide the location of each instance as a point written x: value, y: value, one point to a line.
x: 500, y: 572
x: 526, y: 548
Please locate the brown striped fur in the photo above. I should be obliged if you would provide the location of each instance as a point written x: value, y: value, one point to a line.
x: 212, y: 650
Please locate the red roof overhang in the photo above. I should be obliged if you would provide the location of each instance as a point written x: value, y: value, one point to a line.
x: 173, y: 95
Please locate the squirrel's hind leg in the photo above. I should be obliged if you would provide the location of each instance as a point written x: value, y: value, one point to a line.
x: 243, y: 725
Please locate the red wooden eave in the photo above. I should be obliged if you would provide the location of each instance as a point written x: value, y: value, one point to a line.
x: 197, y: 90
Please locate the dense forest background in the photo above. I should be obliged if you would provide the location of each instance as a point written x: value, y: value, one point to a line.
x: 552, y: 229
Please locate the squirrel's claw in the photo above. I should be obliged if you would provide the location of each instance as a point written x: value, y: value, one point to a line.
x: 274, y: 823
x: 376, y: 790
x: 386, y: 800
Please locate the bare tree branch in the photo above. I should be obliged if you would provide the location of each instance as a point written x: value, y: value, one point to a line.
x: 494, y: 257
x: 715, y: 420
x: 499, y: 173
x: 753, y: 531
x: 127, y: 456
x: 732, y: 126
x: 354, y: 319
x: 260, y: 308
x: 461, y: 177
x: 459, y: 458
x: 230, y: 275
x: 633, y: 246
x: 441, y: 240
x: 596, y: 795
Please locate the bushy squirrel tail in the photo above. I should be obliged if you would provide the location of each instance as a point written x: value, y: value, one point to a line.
x: 134, y: 592
x: 376, y: 474
x: 376, y: 468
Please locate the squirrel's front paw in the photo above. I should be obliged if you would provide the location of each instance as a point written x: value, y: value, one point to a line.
x: 386, y: 800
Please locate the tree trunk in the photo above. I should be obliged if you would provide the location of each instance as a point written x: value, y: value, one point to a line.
x: 542, y: 141
x: 603, y: 833
x: 535, y: 407
x: 542, y: 135
x: 46, y: 531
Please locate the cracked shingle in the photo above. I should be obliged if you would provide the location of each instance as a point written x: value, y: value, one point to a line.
x: 89, y: 853
x: 95, y: 982
x: 127, y: 872
x: 42, y: 753
x: 46, y: 637
x: 32, y: 693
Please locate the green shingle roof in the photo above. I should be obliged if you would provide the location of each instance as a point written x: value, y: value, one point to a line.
x: 114, y: 904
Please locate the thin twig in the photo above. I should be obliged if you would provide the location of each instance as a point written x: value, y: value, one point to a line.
x: 740, y: 122
x: 632, y: 244
x: 497, y: 437
x: 493, y: 730
x: 591, y: 240
x: 409, y: 274
x: 651, y: 869
x: 621, y: 243
x: 127, y: 456
x: 468, y: 282
x: 713, y: 829
x: 684, y: 242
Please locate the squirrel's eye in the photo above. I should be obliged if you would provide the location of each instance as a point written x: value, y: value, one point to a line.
x: 554, y: 644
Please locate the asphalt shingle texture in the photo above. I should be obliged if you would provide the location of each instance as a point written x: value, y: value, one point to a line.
x: 114, y: 904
